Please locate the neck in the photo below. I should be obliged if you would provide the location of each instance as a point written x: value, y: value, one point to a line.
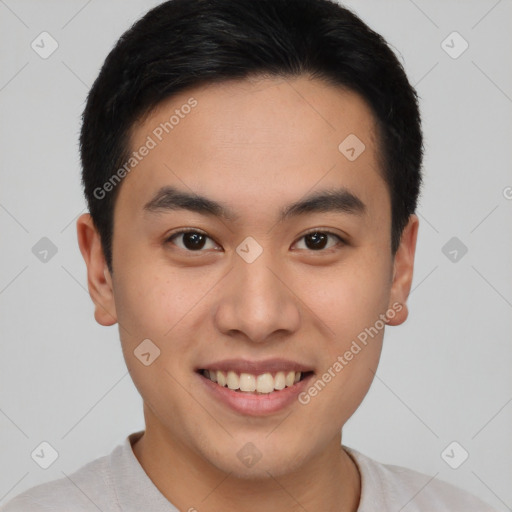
x: 328, y: 481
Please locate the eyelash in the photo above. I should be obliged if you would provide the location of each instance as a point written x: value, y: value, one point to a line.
x: 316, y: 230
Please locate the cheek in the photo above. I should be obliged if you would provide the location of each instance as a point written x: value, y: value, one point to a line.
x: 339, y: 390
x: 163, y: 306
x: 350, y: 301
x: 348, y: 297
x: 153, y: 303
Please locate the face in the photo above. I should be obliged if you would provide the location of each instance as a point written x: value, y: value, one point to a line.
x: 279, y: 281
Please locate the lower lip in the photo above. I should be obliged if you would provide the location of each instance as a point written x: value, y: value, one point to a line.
x: 256, y: 404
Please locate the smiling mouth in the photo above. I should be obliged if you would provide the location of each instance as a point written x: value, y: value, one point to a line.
x: 263, y: 383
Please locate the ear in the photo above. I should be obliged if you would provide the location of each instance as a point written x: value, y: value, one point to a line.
x: 99, y: 280
x: 402, y: 272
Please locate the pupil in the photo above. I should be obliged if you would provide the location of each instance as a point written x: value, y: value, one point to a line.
x: 196, y: 240
x: 318, y: 239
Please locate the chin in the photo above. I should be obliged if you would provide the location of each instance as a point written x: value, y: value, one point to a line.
x: 258, y: 460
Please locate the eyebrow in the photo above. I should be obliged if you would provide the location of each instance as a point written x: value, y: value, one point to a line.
x: 338, y: 200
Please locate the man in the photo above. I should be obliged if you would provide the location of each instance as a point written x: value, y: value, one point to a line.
x: 252, y: 170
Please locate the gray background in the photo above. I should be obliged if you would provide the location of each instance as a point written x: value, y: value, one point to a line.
x: 444, y: 376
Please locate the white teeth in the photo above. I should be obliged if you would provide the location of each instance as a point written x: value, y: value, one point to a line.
x: 280, y: 381
x: 247, y: 382
x: 265, y: 383
x: 233, y: 380
x: 221, y: 378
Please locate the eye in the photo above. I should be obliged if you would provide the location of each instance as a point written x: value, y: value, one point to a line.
x: 317, y: 240
x: 190, y: 240
x: 195, y: 241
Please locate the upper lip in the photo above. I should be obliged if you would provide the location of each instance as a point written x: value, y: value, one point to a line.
x: 256, y: 367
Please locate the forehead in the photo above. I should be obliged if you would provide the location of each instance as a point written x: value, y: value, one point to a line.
x: 249, y: 142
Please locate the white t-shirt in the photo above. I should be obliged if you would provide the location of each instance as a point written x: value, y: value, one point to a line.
x: 118, y: 483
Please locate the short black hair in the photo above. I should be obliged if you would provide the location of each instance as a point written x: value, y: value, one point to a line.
x: 186, y: 43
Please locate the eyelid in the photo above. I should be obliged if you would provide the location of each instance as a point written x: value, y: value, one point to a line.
x: 182, y: 231
x: 325, y: 231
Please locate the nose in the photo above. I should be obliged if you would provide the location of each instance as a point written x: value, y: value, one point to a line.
x: 256, y: 302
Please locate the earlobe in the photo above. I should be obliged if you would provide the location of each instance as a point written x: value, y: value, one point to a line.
x: 403, y: 272
x: 99, y: 280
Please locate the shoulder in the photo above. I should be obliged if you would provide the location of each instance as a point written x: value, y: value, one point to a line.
x: 400, y: 488
x: 87, y: 489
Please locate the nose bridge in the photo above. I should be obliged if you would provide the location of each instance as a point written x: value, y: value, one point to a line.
x: 255, y: 301
x: 257, y: 282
